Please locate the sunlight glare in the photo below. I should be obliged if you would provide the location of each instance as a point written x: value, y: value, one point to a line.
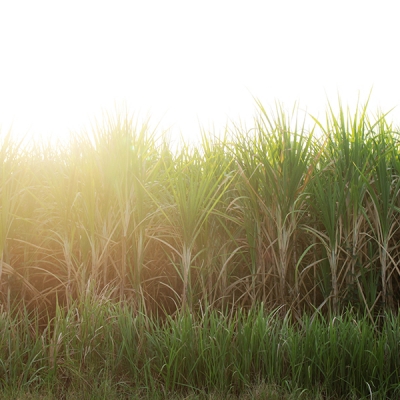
x: 188, y: 64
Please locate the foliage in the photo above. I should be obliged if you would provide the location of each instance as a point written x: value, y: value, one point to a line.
x: 120, y: 229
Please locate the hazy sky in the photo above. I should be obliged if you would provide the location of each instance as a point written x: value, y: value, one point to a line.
x: 183, y: 61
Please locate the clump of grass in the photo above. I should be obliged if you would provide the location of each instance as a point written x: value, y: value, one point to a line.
x: 100, y: 345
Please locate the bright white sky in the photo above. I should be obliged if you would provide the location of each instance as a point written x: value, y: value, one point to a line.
x: 62, y: 63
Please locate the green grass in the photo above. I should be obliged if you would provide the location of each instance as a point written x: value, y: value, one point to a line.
x: 108, y: 349
x: 130, y: 266
x: 276, y: 214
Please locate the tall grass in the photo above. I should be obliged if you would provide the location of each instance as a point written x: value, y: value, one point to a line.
x: 275, y: 214
x: 125, y: 260
x: 275, y: 168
